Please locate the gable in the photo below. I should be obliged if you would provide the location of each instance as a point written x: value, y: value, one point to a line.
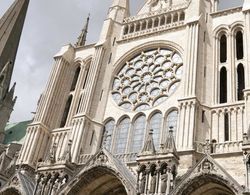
x: 157, y: 5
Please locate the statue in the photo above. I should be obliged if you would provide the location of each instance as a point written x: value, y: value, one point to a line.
x: 153, y: 182
x: 164, y: 180
x: 142, y: 182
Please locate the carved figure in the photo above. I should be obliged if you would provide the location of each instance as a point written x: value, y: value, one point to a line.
x: 142, y: 182
x: 153, y: 182
x: 164, y: 179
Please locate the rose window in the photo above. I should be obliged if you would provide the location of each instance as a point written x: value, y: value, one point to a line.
x: 148, y: 79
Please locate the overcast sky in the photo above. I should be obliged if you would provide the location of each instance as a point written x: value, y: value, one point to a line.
x: 49, y: 25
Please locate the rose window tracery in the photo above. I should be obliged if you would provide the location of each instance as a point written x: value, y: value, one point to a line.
x: 148, y: 79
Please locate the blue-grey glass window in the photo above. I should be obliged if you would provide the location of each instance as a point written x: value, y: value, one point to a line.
x: 107, y: 134
x: 138, y: 134
x: 172, y: 120
x: 122, y: 136
x: 155, y: 124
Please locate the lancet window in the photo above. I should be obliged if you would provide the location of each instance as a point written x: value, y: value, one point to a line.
x: 108, y: 134
x: 171, y: 121
x: 155, y: 124
x: 223, y: 85
x: 138, y: 133
x: 122, y: 136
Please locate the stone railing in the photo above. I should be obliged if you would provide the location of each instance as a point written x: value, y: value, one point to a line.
x: 153, y: 24
x: 220, y: 148
x: 156, y: 12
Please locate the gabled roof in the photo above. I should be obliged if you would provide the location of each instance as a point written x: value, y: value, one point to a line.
x: 15, y: 132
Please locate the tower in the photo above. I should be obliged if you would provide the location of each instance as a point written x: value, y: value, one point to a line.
x: 158, y: 105
x: 11, y: 25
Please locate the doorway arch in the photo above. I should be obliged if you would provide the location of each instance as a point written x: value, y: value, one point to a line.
x: 99, y: 181
x: 208, y: 184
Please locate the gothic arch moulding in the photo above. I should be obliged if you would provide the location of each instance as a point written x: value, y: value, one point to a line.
x: 102, y: 174
x: 207, y: 184
x: 142, y: 47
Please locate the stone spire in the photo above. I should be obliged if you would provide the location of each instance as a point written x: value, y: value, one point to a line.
x: 169, y: 145
x: 11, y: 25
x: 149, y: 147
x: 83, y: 36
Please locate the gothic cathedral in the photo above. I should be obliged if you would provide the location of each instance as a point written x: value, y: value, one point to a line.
x: 160, y: 105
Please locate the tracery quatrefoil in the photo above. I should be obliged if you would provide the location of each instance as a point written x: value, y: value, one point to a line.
x: 148, y: 79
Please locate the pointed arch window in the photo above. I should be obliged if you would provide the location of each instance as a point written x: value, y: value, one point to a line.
x: 122, y: 136
x: 171, y: 121
x: 79, y: 105
x: 223, y: 49
x: 240, y: 82
x: 138, y: 134
x: 155, y: 124
x: 75, y: 79
x: 107, y: 134
x: 239, y: 45
x: 223, y: 85
x: 66, y: 111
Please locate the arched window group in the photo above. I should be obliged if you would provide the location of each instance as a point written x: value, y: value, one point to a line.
x: 128, y: 136
x: 153, y: 22
x: 240, y: 73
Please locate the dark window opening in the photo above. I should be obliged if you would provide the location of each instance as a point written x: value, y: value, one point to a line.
x: 182, y: 17
x: 143, y: 25
x: 79, y: 105
x: 85, y: 79
x: 175, y: 18
x: 114, y: 41
x: 132, y: 28
x: 110, y: 57
x: 162, y: 21
x: 239, y: 45
x: 156, y: 22
x: 150, y: 23
x: 92, y: 137
x: 223, y: 85
x: 66, y: 112
x: 125, y: 30
x: 137, y: 27
x: 223, y: 48
x: 169, y: 19
x: 1, y: 79
x: 203, y: 116
x: 101, y: 95
x: 241, y: 82
x: 226, y: 127
x: 75, y: 79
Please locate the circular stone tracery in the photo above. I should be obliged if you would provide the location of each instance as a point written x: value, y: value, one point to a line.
x: 148, y: 79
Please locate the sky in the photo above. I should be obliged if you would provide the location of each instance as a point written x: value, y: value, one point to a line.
x: 49, y: 25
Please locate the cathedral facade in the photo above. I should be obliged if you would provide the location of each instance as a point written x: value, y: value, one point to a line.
x: 159, y: 105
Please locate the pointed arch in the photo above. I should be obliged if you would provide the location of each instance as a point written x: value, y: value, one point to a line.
x: 240, y: 82
x: 239, y: 45
x: 155, y: 124
x: 108, y: 130
x: 66, y: 111
x: 223, y: 85
x: 75, y: 79
x: 138, y: 133
x: 121, y: 136
x: 223, y: 48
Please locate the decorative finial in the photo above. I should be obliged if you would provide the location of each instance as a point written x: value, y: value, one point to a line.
x: 83, y: 36
x: 149, y: 148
